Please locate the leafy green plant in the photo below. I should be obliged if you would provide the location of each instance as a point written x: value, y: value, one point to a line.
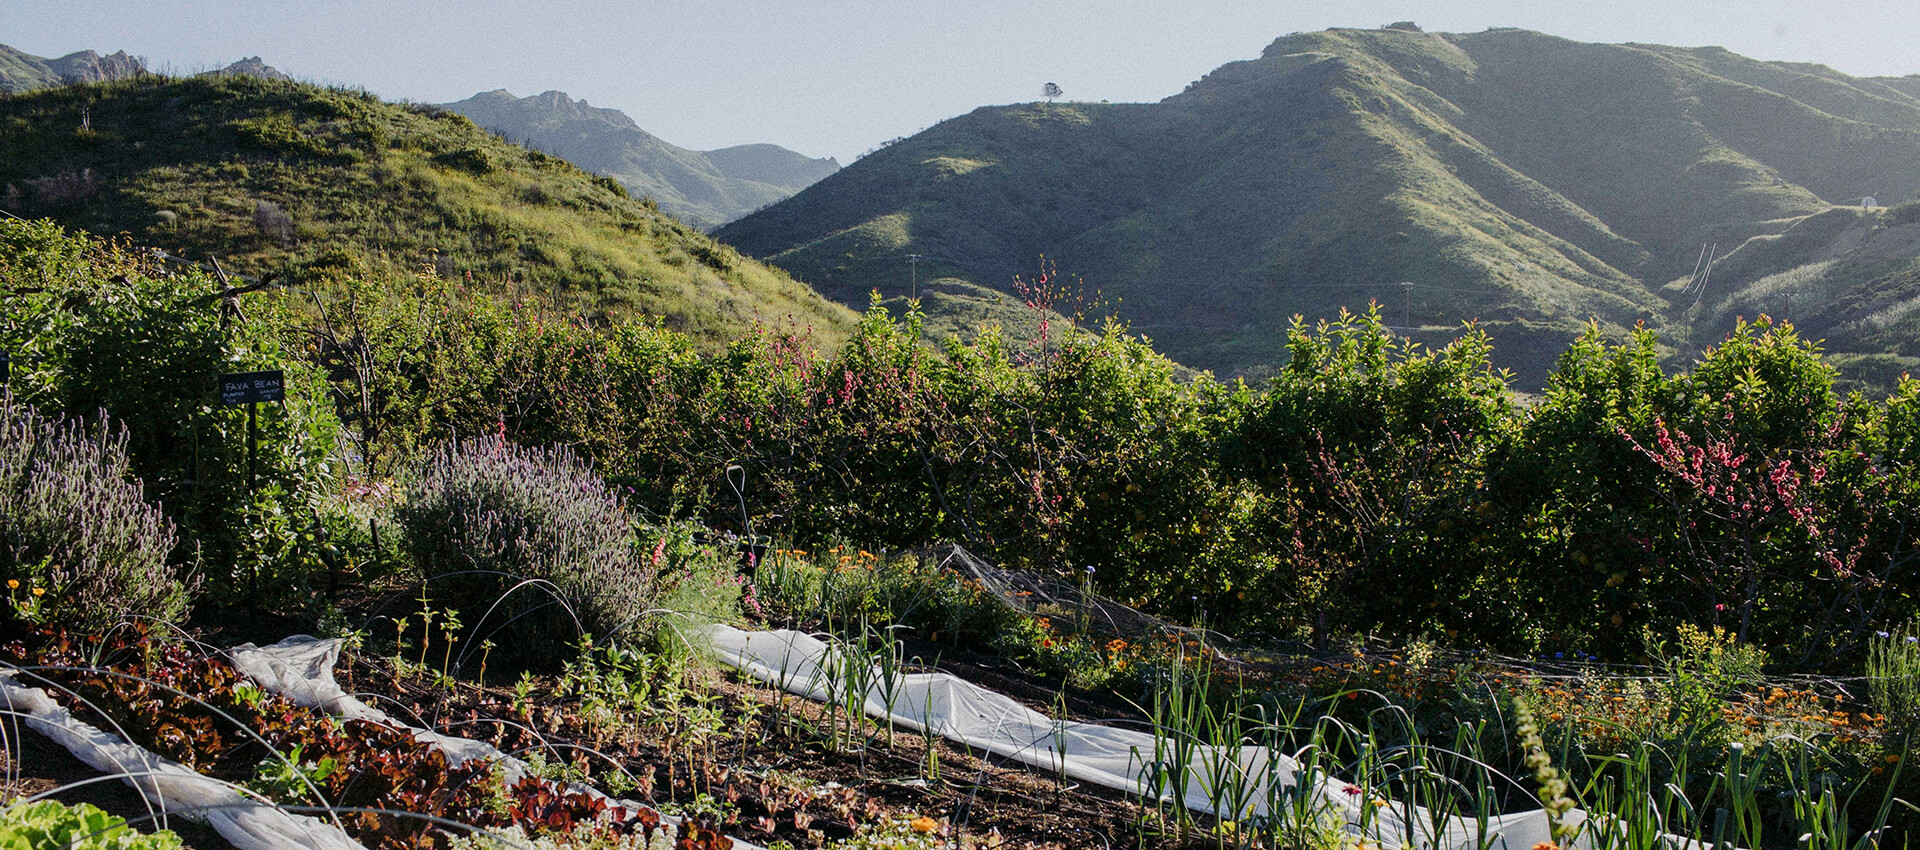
x: 290, y: 777
x: 50, y: 823
x: 699, y: 583
x: 1712, y: 661
x: 113, y: 329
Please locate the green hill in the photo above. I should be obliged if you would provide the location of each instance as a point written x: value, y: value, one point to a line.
x: 274, y: 176
x: 1847, y: 276
x: 1526, y: 181
x: 705, y: 188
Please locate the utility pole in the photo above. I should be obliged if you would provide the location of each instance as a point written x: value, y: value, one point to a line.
x: 913, y: 264
x: 1406, y: 313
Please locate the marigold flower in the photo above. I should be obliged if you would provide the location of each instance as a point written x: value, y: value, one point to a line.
x: 13, y: 584
x: 39, y: 591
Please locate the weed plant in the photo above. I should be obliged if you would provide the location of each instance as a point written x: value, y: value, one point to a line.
x: 1893, y: 679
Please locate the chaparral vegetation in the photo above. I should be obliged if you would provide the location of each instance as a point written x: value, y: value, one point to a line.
x: 1681, y: 600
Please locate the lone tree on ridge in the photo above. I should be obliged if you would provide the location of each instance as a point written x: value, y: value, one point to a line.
x: 1051, y: 90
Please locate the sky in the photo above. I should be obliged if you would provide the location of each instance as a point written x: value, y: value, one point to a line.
x: 839, y: 77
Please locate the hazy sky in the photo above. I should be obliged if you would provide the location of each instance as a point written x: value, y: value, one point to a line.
x: 836, y: 78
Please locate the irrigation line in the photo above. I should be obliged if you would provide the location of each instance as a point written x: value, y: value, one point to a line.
x: 161, y: 815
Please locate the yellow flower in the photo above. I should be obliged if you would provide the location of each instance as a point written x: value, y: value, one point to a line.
x: 925, y: 824
x: 13, y: 584
x: 39, y: 591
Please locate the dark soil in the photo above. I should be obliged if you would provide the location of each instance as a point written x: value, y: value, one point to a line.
x: 979, y: 800
x: 766, y: 743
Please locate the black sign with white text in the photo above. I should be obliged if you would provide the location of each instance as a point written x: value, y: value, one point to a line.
x: 248, y: 387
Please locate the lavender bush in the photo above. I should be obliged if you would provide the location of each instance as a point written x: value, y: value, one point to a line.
x: 515, y: 514
x: 79, y: 545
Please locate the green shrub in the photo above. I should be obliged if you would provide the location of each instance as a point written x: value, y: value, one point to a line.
x: 533, y: 530
x: 98, y: 327
x: 50, y: 823
x: 78, y: 544
x: 1703, y: 670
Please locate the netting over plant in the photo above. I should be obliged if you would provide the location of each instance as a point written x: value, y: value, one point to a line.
x: 78, y: 543
x: 528, y: 544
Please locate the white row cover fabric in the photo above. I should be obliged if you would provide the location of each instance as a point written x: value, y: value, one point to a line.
x: 300, y: 668
x: 169, y: 786
x: 961, y: 711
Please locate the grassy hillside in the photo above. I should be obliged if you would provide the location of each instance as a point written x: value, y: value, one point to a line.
x: 1848, y: 277
x: 280, y: 177
x: 703, y: 188
x: 1527, y: 182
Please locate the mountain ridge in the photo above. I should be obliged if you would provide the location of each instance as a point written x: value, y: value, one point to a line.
x: 1529, y: 182
x: 21, y: 71
x: 705, y: 188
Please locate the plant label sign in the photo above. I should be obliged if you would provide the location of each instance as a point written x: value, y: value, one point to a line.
x: 250, y: 387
